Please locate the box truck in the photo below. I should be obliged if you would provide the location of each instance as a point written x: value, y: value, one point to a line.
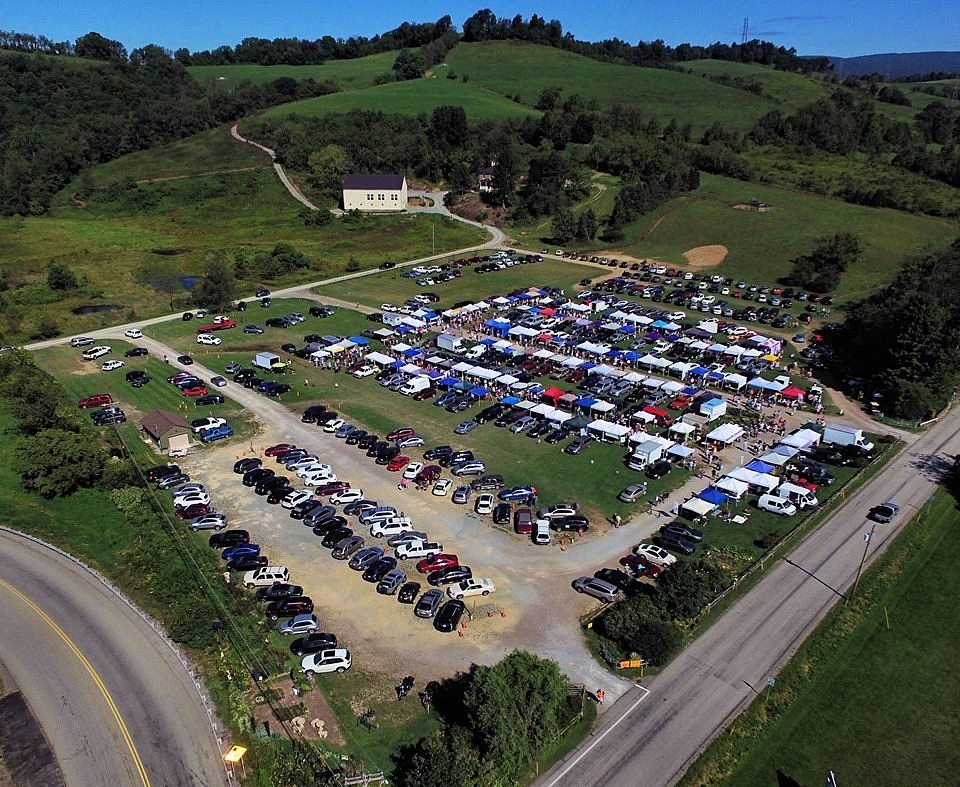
x: 270, y: 362
x: 839, y: 434
x: 447, y: 341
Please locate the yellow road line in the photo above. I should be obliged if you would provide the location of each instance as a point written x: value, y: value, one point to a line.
x: 93, y: 674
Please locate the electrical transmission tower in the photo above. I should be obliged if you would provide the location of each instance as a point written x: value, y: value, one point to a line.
x: 746, y: 30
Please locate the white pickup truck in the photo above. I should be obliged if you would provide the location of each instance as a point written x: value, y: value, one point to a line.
x: 419, y: 549
x: 471, y: 587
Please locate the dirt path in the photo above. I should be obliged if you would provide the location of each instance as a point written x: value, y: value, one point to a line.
x: 199, y: 174
x: 281, y: 173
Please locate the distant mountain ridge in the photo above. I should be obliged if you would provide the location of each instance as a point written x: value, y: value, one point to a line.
x: 898, y: 64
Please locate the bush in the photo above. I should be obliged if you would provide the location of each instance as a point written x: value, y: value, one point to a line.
x: 767, y: 540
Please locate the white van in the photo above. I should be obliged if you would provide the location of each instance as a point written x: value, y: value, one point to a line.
x: 800, y: 496
x: 266, y: 576
x: 776, y: 505
x: 208, y: 338
x: 415, y: 384
x: 541, y: 532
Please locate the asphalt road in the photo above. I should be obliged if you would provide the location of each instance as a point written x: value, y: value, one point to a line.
x: 660, y: 729
x: 115, y: 703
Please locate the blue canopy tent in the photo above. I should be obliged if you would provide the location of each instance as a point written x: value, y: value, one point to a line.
x: 698, y: 371
x: 499, y: 327
x: 510, y: 400
x: 448, y: 382
x: 480, y: 392
x: 487, y: 341
x: 714, y: 496
x: 402, y: 329
x: 585, y: 402
x: 760, y: 467
x: 396, y: 364
x: 360, y: 340
x: 413, y: 352
x: 715, y: 376
x: 463, y: 385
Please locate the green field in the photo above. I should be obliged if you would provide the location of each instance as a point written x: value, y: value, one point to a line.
x: 790, y: 91
x: 514, y: 68
x: 411, y: 98
x: 871, y: 702
x: 348, y: 74
x: 761, y: 245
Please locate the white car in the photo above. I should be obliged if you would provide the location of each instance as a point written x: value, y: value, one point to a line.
x: 412, y: 470
x: 133, y: 333
x: 442, y: 487
x: 110, y: 366
x: 365, y: 371
x: 330, y: 660
x: 555, y: 512
x: 387, y: 307
x: 391, y: 527
x: 296, y: 497
x: 201, y: 424
x: 656, y: 555
x: 97, y: 352
x: 344, y: 497
x: 331, y: 426
x: 313, y: 468
x: 484, y: 504
x: 309, y: 460
x: 191, y: 499
x: 471, y: 587
x: 319, y: 478
x: 208, y: 338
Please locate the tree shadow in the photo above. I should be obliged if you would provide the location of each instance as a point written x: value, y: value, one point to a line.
x: 786, y: 781
x: 933, y: 467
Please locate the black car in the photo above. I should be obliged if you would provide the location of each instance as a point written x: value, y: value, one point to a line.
x: 278, y: 493
x: 209, y: 399
x: 540, y: 430
x: 253, y: 477
x: 448, y: 618
x: 557, y: 436
x: 408, y: 592
x: 304, y: 509
x: 490, y: 413
x: 186, y: 360
x: 161, y: 471
x: 313, y: 643
x: 276, y: 322
x: 376, y: 447
x: 449, y: 575
x: 279, y: 591
x: 245, y: 465
x: 136, y: 352
x: 675, y: 543
x: 357, y: 507
x: 502, y: 513
x: 291, y: 456
x: 335, y: 536
x: 457, y: 456
x: 187, y: 316
x: 437, y: 451
x: 384, y: 456
x: 247, y: 563
x: 355, y: 436
x: 659, y: 469
x: 573, y: 522
x: 367, y: 440
x: 333, y: 523
x: 319, y: 515
x: 288, y: 607
x: 377, y: 570
x: 229, y: 538
x: 310, y: 414
x: 841, y: 456
x: 487, y: 482
x: 507, y: 418
x: 617, y: 578
x: 264, y: 486
x: 288, y: 347
x: 684, y: 531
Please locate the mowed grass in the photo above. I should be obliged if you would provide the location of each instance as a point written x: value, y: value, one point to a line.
x: 515, y: 68
x: 411, y: 98
x: 391, y: 287
x: 348, y: 74
x: 873, y: 704
x: 761, y: 245
x: 790, y: 90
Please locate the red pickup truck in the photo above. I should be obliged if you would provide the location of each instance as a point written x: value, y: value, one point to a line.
x: 217, y: 326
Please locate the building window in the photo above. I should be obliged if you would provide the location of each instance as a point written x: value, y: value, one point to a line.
x: 394, y: 197
x: 380, y: 197
x: 370, y: 196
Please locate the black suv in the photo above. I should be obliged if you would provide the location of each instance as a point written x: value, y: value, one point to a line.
x: 487, y: 482
x: 311, y: 414
x: 659, y: 469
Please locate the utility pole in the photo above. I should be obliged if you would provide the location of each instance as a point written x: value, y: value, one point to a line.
x: 863, y: 559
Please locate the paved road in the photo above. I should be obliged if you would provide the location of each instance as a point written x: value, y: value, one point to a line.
x: 659, y: 730
x: 116, y: 704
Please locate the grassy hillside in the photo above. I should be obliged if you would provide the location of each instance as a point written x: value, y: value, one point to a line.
x: 516, y: 68
x: 790, y: 91
x: 411, y: 98
x: 348, y: 74
x: 761, y: 245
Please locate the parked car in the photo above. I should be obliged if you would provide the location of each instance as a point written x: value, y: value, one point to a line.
x: 330, y: 660
x: 391, y: 581
x: 655, y: 554
x: 659, y: 469
x: 214, y: 521
x: 462, y: 493
x: 228, y: 538
x: 448, y: 575
x: 471, y: 587
x: 448, y: 618
x: 313, y: 643
x: 279, y: 591
x: 632, y: 493
x: 365, y: 557
x: 408, y: 592
x: 484, y: 504
x: 429, y: 603
x: 598, y: 588
x: 577, y: 445
x: 299, y: 624
x: 684, y: 531
x: 672, y: 540
x: 286, y: 607
x: 883, y: 513
x: 465, y: 427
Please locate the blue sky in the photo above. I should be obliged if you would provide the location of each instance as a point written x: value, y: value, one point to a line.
x: 813, y: 27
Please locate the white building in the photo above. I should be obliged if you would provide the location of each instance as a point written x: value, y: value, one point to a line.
x: 375, y: 193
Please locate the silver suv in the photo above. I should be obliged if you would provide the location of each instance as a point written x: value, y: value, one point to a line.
x: 597, y: 588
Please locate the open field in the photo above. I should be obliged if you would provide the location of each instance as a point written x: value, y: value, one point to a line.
x: 790, y: 91
x: 411, y: 98
x: 832, y: 707
x: 515, y: 68
x: 348, y: 74
x: 122, y: 241
x: 761, y: 245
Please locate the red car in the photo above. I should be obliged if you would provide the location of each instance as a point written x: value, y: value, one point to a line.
x: 223, y: 325
x: 332, y: 488
x: 279, y: 448
x: 640, y: 566
x: 427, y: 565
x: 398, y: 462
x: 398, y: 434
x: 680, y: 402
x: 197, y: 390
x: 97, y: 400
x: 178, y: 376
x: 197, y: 509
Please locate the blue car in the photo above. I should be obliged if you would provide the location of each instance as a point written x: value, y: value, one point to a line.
x: 217, y: 433
x: 267, y: 385
x: 241, y: 550
x: 515, y: 493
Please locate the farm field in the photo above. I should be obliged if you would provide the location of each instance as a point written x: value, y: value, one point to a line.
x: 411, y: 98
x: 348, y: 74
x: 837, y: 689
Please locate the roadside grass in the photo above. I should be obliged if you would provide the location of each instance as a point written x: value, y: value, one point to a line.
x: 864, y: 699
x: 565, y: 743
x: 761, y: 245
x: 348, y: 74
x: 515, y: 68
x: 391, y: 287
x: 117, y: 248
x: 412, y: 97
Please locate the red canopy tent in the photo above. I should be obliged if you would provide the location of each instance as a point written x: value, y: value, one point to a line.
x: 552, y: 395
x: 792, y: 392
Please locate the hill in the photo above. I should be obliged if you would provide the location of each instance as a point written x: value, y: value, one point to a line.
x: 410, y: 98
x: 348, y: 74
x: 894, y: 65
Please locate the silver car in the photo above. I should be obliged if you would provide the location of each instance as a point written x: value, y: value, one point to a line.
x: 391, y: 582
x: 365, y: 558
x: 598, y: 588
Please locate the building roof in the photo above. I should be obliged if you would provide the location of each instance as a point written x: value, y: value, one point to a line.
x: 159, y: 422
x: 382, y: 182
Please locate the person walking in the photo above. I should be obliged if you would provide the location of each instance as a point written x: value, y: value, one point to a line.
x: 599, y: 696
